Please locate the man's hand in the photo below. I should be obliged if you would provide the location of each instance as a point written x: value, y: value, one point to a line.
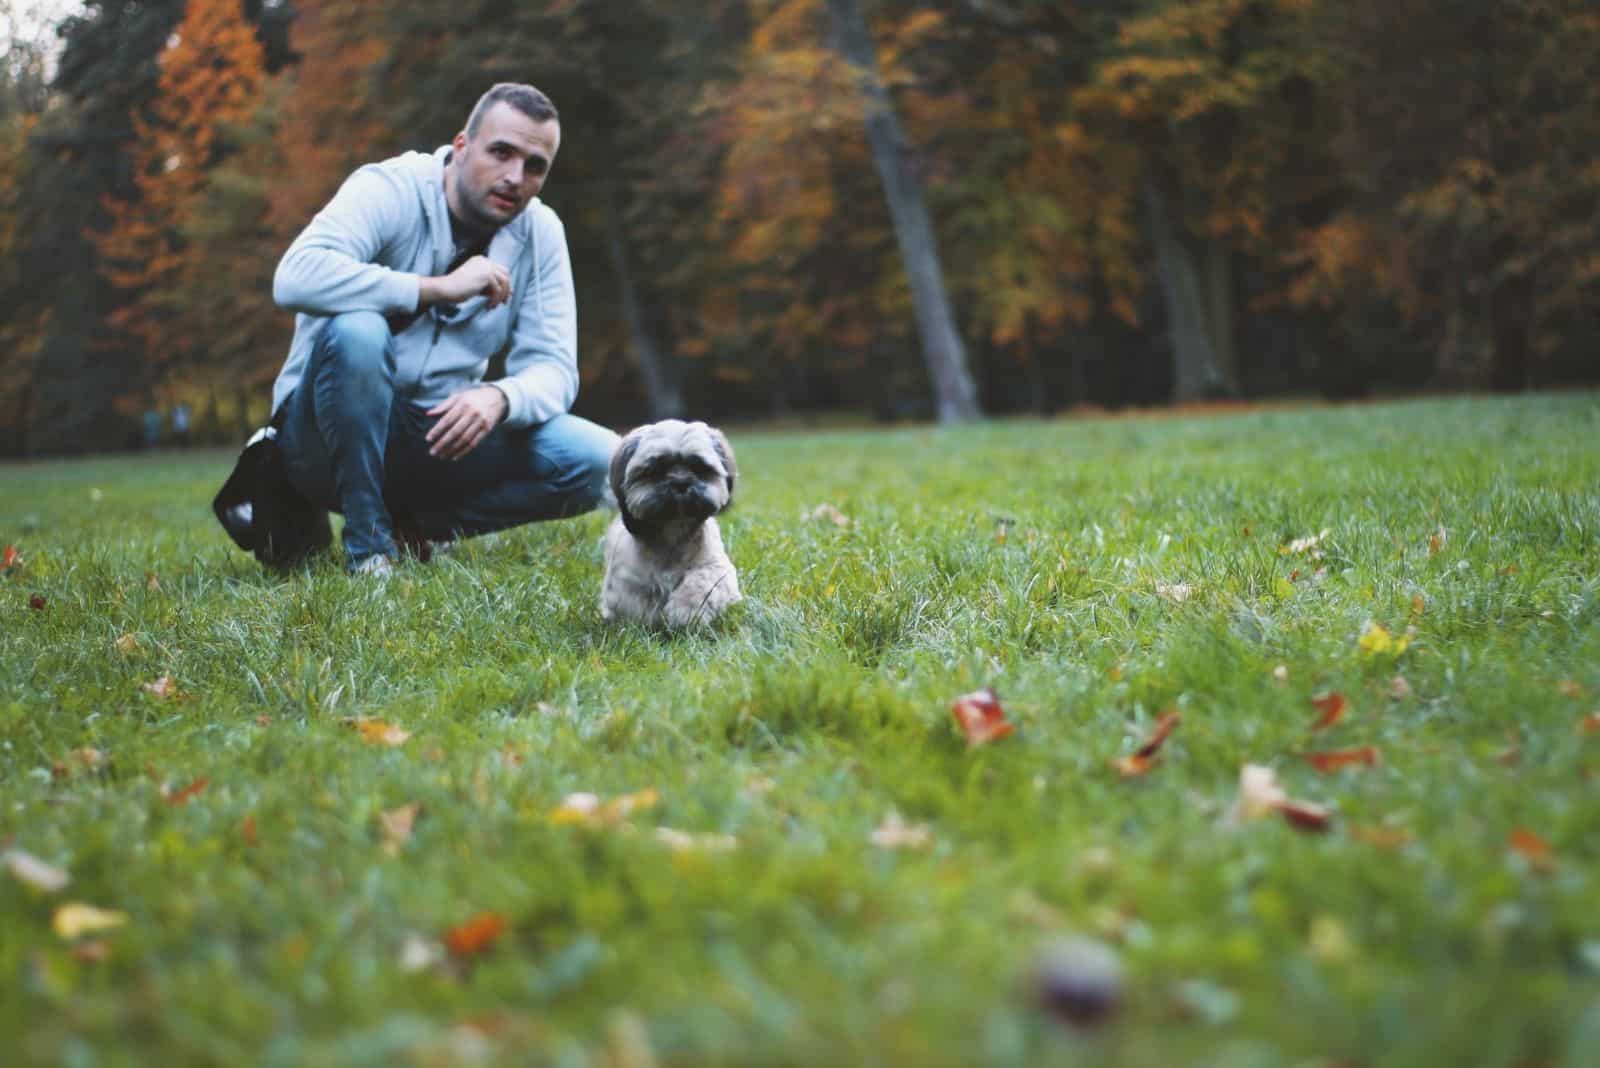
x: 478, y: 275
x: 464, y: 419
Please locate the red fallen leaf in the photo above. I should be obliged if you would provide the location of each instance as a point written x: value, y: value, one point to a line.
x: 475, y: 935
x: 1334, y: 759
x: 247, y: 831
x: 1304, y: 816
x: 1144, y: 758
x: 9, y: 560
x: 1590, y: 724
x: 183, y: 796
x: 980, y: 717
x: 1535, y: 850
x: 1332, y: 706
x: 36, y: 602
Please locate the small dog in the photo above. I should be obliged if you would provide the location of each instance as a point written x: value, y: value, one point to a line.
x: 665, y: 564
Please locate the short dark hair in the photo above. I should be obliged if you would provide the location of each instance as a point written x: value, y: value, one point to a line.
x: 525, y: 98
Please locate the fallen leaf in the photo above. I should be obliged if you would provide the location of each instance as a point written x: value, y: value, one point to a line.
x: 418, y: 953
x: 37, y: 602
x: 1535, y: 850
x: 1382, y: 836
x: 1365, y: 756
x: 30, y: 871
x: 695, y: 841
x: 1590, y: 724
x: 128, y: 644
x: 1399, y: 688
x: 476, y: 935
x: 1570, y: 688
x: 183, y: 796
x: 1177, y: 592
x: 1418, y: 605
x: 86, y: 759
x: 1332, y: 706
x: 247, y: 831
x: 1306, y: 544
x: 1328, y: 940
x: 980, y: 717
x: 73, y: 920
x: 896, y: 833
x: 1280, y: 673
x: 1437, y: 540
x: 162, y: 688
x: 377, y: 732
x: 830, y: 513
x: 1305, y: 816
x: 510, y: 758
x: 396, y: 824
x: 588, y: 810
x: 152, y: 582
x: 1144, y: 758
x: 94, y: 951
x: 1377, y: 641
x: 10, y: 558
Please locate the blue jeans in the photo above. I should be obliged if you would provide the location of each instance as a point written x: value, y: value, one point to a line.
x: 353, y: 446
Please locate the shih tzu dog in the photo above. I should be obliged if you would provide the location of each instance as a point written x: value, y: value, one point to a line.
x: 665, y: 564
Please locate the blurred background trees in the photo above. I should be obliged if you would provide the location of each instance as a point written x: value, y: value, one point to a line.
x: 777, y: 207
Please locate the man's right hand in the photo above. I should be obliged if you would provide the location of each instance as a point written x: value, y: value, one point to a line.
x: 478, y: 275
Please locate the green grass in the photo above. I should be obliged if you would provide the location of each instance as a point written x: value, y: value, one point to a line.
x: 820, y: 705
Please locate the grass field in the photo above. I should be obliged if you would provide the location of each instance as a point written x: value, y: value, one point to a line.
x: 247, y: 821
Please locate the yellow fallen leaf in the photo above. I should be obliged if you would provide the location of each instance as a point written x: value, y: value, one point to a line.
x: 1377, y: 641
x: 377, y: 732
x: 128, y: 644
x: 1329, y: 941
x: 29, y: 870
x: 588, y: 810
x: 695, y: 841
x: 74, y: 919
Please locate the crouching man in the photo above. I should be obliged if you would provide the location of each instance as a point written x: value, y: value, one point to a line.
x: 421, y: 269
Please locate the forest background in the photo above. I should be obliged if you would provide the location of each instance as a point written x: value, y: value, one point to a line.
x: 900, y: 209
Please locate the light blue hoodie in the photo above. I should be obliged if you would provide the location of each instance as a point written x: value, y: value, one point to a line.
x: 387, y: 227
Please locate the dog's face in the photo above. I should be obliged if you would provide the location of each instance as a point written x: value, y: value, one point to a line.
x: 669, y: 473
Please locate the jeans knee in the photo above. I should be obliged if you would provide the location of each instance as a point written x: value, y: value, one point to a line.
x: 582, y: 451
x: 358, y: 342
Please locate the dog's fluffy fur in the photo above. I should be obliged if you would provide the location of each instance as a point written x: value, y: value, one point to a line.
x: 665, y: 564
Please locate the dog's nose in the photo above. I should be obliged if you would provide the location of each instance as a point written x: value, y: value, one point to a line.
x: 680, y: 483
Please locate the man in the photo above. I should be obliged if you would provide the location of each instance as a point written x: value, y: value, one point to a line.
x: 419, y: 270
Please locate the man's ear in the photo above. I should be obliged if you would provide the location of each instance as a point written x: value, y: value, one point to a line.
x: 619, y: 472
x: 459, y: 142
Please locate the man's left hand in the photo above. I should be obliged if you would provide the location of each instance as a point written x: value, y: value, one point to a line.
x: 464, y: 420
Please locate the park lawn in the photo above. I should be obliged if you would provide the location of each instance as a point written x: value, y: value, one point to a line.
x: 1095, y: 573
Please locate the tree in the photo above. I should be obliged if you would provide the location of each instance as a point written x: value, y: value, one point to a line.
x: 211, y: 78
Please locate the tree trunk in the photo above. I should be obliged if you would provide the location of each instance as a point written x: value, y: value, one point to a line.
x: 1194, y: 365
x: 662, y: 396
x: 942, y: 350
x: 1510, y: 324
x: 1219, y: 313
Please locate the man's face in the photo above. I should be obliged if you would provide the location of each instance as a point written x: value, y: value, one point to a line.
x: 501, y: 167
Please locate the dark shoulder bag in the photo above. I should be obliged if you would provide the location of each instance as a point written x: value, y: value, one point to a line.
x: 263, y: 513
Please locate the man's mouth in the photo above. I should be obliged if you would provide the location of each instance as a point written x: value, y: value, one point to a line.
x: 503, y: 201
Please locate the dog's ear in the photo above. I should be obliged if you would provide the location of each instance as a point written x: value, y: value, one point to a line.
x: 619, y: 471
x: 720, y: 442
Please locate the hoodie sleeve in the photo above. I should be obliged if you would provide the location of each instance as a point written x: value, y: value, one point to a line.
x: 331, y: 267
x: 542, y: 366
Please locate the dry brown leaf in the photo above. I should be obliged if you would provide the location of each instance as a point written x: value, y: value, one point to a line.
x: 1144, y: 758
x: 396, y: 824
x: 377, y: 732
x: 1332, y: 707
x: 1570, y: 688
x: 74, y: 919
x: 1590, y: 724
x: 128, y: 644
x: 1365, y: 756
x: 1437, y: 540
x: 476, y: 935
x: 1533, y: 849
x: 1418, y: 605
x: 152, y: 582
x: 1259, y: 794
x: 37, y: 602
x: 10, y: 558
x: 1305, y: 816
x: 896, y: 833
x: 30, y: 871
x: 247, y: 831
x: 980, y: 717
x: 185, y: 795
x: 162, y: 689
